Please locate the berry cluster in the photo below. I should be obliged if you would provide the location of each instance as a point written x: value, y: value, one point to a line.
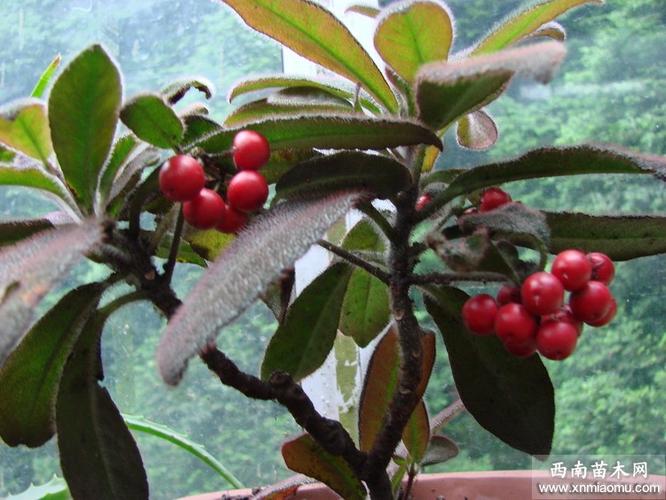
x: 491, y: 199
x: 182, y: 179
x: 534, y: 317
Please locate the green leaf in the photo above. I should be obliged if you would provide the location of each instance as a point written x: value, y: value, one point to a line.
x: 364, y: 10
x: 6, y: 155
x: 446, y: 91
x: 35, y: 178
x: 622, y: 237
x: 141, y: 424
x: 552, y: 30
x: 304, y: 455
x: 346, y: 131
x: 30, y: 268
x: 477, y: 131
x: 380, y: 175
x: 304, y: 96
x: 83, y: 112
x: 55, y: 489
x: 416, y: 434
x: 197, y: 127
x: 14, y: 231
x: 186, y: 254
x: 262, y: 110
x: 271, y: 243
x: 510, y: 397
x: 552, y: 162
x: 45, y: 77
x: 123, y: 149
x: 441, y: 449
x: 153, y: 121
x: 98, y: 455
x: 177, y: 90
x: 331, y: 87
x: 305, y: 338
x: 25, y: 128
x: 30, y: 377
x: 525, y: 23
x: 418, y: 32
x: 316, y: 34
x: 365, y: 309
x: 381, y: 382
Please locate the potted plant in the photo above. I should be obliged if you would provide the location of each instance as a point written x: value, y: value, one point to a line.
x: 183, y: 187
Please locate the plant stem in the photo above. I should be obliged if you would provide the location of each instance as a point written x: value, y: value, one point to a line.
x: 376, y: 216
x: 175, y: 245
x: 357, y: 261
x: 448, y: 278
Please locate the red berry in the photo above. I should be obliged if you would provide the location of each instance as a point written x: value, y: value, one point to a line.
x: 556, y: 339
x: 514, y: 324
x: 564, y: 314
x: 603, y: 268
x: 181, y: 178
x: 251, y: 150
x: 479, y: 314
x: 247, y: 191
x: 232, y: 221
x: 542, y: 293
x: 508, y: 294
x: 493, y: 198
x: 205, y: 210
x: 608, y: 317
x: 592, y: 302
x: 423, y: 201
x: 573, y: 269
x: 521, y: 349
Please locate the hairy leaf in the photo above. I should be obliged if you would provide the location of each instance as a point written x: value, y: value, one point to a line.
x: 525, y: 23
x: 209, y: 244
x: 177, y: 90
x: 416, y: 434
x: 25, y: 128
x: 552, y: 30
x: 29, y: 269
x: 304, y: 96
x: 140, y: 424
x: 445, y: 91
x: 98, y: 455
x: 364, y: 236
x: 304, y: 455
x: 122, y: 152
x: 197, y: 127
x: 510, y: 397
x: 14, y: 231
x: 551, y: 162
x: 30, y: 377
x: 346, y: 131
x: 153, y: 121
x: 417, y: 32
x: 271, y: 243
x: 83, y: 112
x: 46, y: 77
x: 477, y: 131
x: 441, y: 449
x: 364, y: 10
x: 305, y: 338
x: 262, y: 110
x: 35, y: 178
x: 282, y: 490
x: 331, y: 87
x: 381, y: 382
x: 316, y: 34
x: 382, y: 176
x: 622, y: 237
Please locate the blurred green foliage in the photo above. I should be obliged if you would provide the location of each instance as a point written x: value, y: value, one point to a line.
x: 610, y: 396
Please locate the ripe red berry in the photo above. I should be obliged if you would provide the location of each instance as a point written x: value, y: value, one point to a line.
x: 423, y: 201
x: 251, y: 150
x: 514, y: 324
x: 573, y: 269
x: 205, y: 210
x: 493, y: 198
x: 508, y: 294
x: 592, y: 302
x: 521, y: 349
x: 232, y: 221
x: 603, y: 268
x: 247, y: 191
x: 542, y: 293
x: 478, y: 313
x: 564, y: 314
x: 556, y: 339
x: 181, y: 178
x: 608, y: 317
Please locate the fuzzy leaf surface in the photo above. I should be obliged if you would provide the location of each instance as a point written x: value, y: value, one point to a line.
x: 477, y: 131
x: 272, y: 242
x: 440, y: 450
x: 46, y: 77
x: 123, y: 149
x: 177, y: 90
x: 262, y: 110
x: 25, y: 127
x: 35, y: 178
x: 153, y: 121
x: 364, y: 10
